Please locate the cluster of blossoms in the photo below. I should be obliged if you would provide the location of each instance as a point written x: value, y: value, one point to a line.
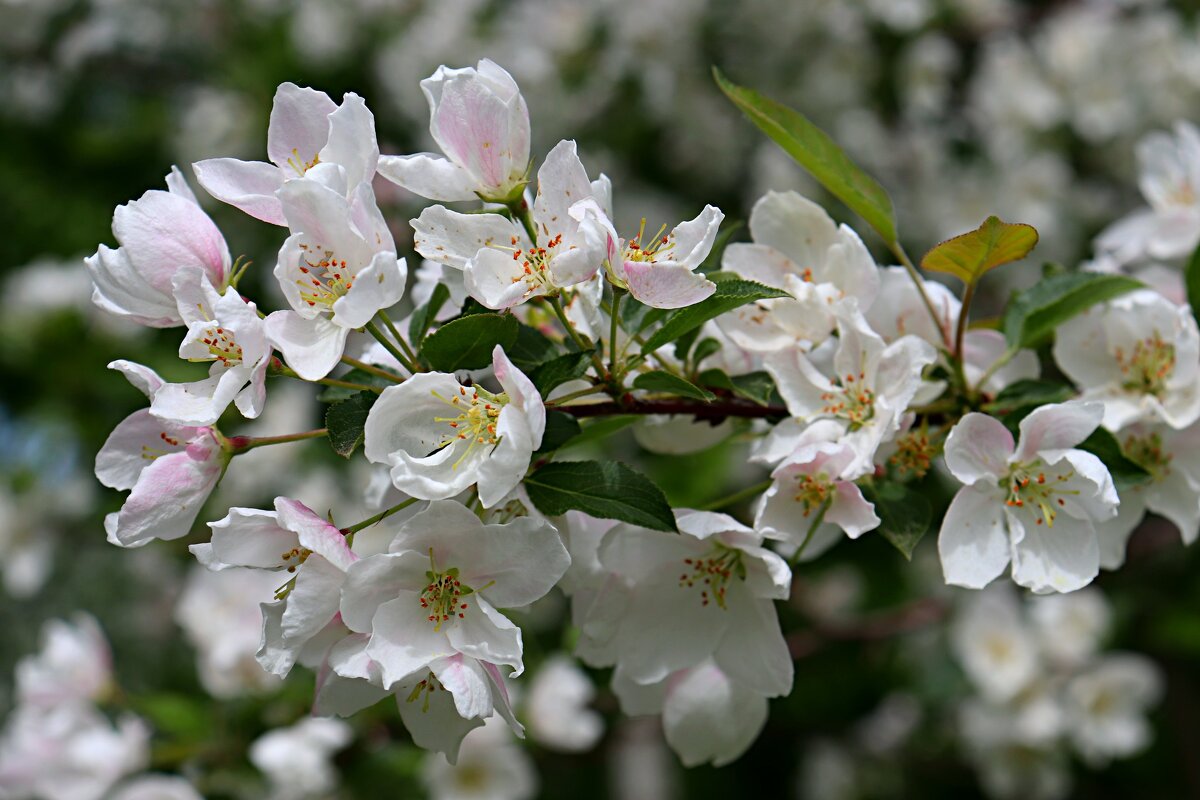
x: 558, y: 313
x: 1044, y: 689
x: 58, y: 743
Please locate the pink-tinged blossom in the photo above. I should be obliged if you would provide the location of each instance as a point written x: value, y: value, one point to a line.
x: 160, y: 235
x: 439, y: 437
x: 1033, y: 503
x: 660, y: 269
x: 169, y: 470
x: 670, y: 601
x: 478, y: 118
x: 337, y: 270
x: 708, y: 717
x: 812, y: 501
x: 308, y: 133
x: 73, y: 665
x: 225, y: 330
x: 292, y: 539
x: 1139, y: 355
x: 501, y: 266
x: 797, y: 248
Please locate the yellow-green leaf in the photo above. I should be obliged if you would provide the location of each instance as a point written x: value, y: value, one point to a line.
x: 812, y: 149
x: 970, y: 255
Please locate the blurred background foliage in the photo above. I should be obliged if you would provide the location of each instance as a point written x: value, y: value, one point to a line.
x: 962, y: 109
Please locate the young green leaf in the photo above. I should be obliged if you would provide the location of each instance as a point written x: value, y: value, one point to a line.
x: 757, y: 387
x: 345, y: 421
x: 604, y: 489
x: 816, y: 152
x: 1018, y: 399
x: 904, y: 515
x: 561, y: 428
x: 660, y: 381
x: 557, y: 371
x: 530, y: 349
x: 467, y: 342
x: 422, y: 319
x: 969, y: 256
x: 730, y: 294
x: 1033, y: 314
x: 1191, y: 276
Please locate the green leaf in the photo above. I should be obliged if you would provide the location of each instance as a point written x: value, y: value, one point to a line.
x: 345, y: 421
x: 1191, y: 276
x: 561, y: 428
x: 601, y: 428
x: 530, y: 349
x: 730, y: 294
x: 1032, y: 315
x: 969, y: 256
x: 704, y: 349
x: 423, y: 318
x: 467, y: 342
x: 904, y: 515
x: 178, y: 716
x: 558, y: 371
x: 604, y: 489
x: 1018, y: 399
x: 1126, y: 472
x: 816, y: 152
x: 332, y: 394
x: 635, y: 317
x: 661, y: 381
x: 757, y: 387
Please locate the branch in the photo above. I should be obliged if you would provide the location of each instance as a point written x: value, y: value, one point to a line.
x: 717, y: 410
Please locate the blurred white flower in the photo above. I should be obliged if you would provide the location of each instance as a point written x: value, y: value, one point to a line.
x: 297, y: 760
x: 556, y: 707
x: 74, y: 664
x: 490, y: 767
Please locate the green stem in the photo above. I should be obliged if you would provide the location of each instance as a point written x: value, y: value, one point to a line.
x: 520, y: 210
x: 956, y: 357
x: 372, y: 369
x: 382, y: 515
x: 241, y: 444
x: 288, y: 372
x: 558, y: 401
x: 613, y: 314
x: 737, y: 497
x: 1007, y: 356
x: 898, y: 251
x: 812, y: 529
x: 580, y: 342
x: 373, y: 329
x: 400, y: 339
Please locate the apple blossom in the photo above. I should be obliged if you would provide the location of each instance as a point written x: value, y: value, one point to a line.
x: 799, y: 249
x: 1070, y: 627
x: 813, y: 499
x: 1170, y: 183
x: 307, y: 133
x: 435, y: 592
x: 1139, y: 355
x: 223, y: 329
x: 489, y: 765
x: 156, y: 787
x: 864, y: 391
x: 478, y: 118
x: 1107, y: 705
x: 160, y: 234
x: 337, y: 269
x: 297, y: 760
x: 708, y: 716
x: 557, y: 707
x: 660, y: 270
x: 677, y: 599
x: 170, y: 470
x: 502, y: 267
x: 74, y: 665
x: 1034, y: 503
x: 292, y: 539
x: 996, y: 648
x: 440, y: 437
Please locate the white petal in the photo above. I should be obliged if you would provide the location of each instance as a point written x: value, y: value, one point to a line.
x: 973, y: 542
x: 453, y: 239
x: 311, y: 347
x: 377, y: 286
x: 667, y: 285
x: 978, y: 449
x: 429, y: 176
x: 1061, y: 558
x: 247, y: 185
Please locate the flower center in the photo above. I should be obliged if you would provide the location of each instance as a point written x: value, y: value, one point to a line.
x: 640, y: 249
x: 851, y: 400
x: 295, y: 557
x: 814, y: 491
x: 535, y: 262
x: 1147, y: 451
x: 914, y: 454
x: 326, y: 278
x: 222, y: 346
x: 424, y: 689
x: 1029, y: 485
x: 479, y: 411
x: 712, y: 573
x: 1147, y: 368
x: 300, y: 165
x: 443, y: 598
x: 171, y: 445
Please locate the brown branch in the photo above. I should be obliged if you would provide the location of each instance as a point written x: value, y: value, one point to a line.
x: 716, y: 410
